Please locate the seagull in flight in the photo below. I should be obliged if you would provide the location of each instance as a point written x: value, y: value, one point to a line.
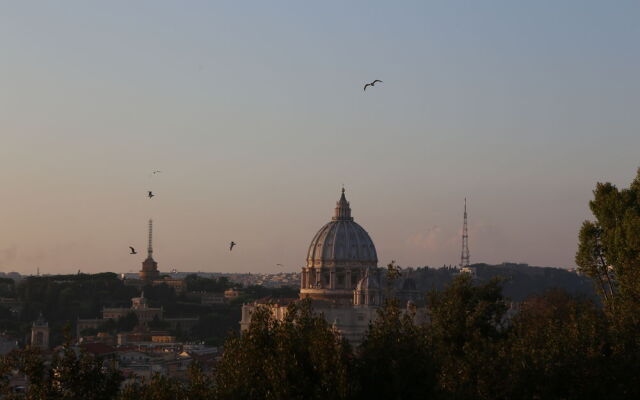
x: 133, y: 251
x: 231, y: 245
x: 156, y: 172
x: 150, y: 195
x: 372, y: 84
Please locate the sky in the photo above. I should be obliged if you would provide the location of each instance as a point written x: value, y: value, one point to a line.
x: 255, y: 114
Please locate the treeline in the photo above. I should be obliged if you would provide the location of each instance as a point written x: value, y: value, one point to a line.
x: 557, y: 346
x: 520, y: 281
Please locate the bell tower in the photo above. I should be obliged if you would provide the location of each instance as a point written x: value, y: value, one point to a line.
x: 40, y: 333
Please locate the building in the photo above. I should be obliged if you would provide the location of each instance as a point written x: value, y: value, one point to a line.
x: 144, y: 313
x: 139, y: 307
x: 337, y: 258
x: 342, y: 279
x: 231, y: 294
x: 40, y: 333
x: 208, y: 298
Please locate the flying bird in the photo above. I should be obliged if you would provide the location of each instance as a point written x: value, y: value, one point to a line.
x: 150, y: 195
x: 372, y: 84
x: 133, y: 251
x: 231, y: 245
x: 279, y: 265
x: 156, y: 172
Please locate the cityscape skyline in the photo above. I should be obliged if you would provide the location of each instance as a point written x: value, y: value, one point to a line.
x: 255, y: 115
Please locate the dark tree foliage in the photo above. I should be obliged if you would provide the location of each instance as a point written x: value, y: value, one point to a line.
x: 217, y: 324
x: 255, y: 292
x: 558, y: 348
x: 609, y: 252
x: 197, y: 283
x: 199, y: 386
x: 300, y: 357
x: 7, y: 287
x: 466, y: 331
x: 157, y: 324
x: 609, y: 247
x: 69, y: 376
x: 396, y: 352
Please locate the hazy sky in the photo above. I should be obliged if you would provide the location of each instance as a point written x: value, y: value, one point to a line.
x: 255, y: 113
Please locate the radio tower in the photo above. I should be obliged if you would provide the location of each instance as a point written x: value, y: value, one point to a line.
x: 464, y: 258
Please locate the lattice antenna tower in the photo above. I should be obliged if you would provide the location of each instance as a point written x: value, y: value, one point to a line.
x: 150, y: 248
x: 464, y: 257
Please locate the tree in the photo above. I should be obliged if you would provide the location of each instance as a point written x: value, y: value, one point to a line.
x: 396, y: 352
x: 300, y: 357
x: 591, y: 261
x: 558, y: 348
x: 70, y: 375
x: 609, y: 251
x: 466, y: 332
x: 127, y: 323
x: 159, y: 387
x: 609, y: 247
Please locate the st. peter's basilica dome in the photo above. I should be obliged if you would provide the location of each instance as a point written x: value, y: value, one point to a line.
x: 342, y: 242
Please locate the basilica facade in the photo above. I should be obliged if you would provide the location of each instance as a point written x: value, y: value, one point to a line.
x: 341, y: 278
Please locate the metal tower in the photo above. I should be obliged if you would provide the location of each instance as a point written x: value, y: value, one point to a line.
x: 150, y: 248
x: 464, y: 258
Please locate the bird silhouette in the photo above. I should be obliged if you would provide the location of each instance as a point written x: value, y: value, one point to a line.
x: 133, y: 251
x: 231, y: 245
x: 150, y: 195
x: 372, y: 84
x: 156, y: 172
x: 279, y: 265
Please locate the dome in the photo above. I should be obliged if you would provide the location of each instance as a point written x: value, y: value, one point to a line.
x: 342, y: 242
x: 368, y: 281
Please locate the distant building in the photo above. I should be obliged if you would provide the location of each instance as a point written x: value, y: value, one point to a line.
x: 469, y: 270
x: 177, y: 284
x: 40, y: 333
x: 139, y: 307
x: 144, y: 313
x: 212, y: 298
x: 231, y: 294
